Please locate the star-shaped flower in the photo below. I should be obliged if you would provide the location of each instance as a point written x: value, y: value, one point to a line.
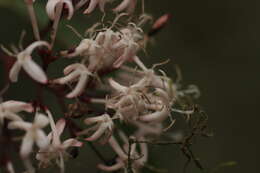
x: 57, y: 149
x: 24, y: 60
x: 34, y: 133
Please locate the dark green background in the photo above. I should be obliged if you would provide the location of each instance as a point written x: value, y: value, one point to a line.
x: 214, y: 43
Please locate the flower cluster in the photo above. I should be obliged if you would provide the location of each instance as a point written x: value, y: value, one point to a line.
x: 135, y: 95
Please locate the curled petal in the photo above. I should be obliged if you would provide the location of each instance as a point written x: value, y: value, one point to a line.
x: 50, y: 8
x: 67, y: 78
x: 26, y: 146
x: 98, y: 133
x: 116, y: 85
x: 79, y: 87
x: 157, y: 116
x: 35, y: 71
x: 36, y: 44
x: 70, y: 68
x: 13, y: 74
x: 114, y: 167
x: 70, y: 8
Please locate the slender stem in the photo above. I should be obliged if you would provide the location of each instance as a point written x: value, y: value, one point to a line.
x: 29, y: 4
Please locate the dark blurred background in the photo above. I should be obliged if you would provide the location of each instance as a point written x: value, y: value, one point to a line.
x: 214, y: 44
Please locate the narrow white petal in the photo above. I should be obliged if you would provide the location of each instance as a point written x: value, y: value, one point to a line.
x: 19, y: 125
x: 41, y: 139
x: 26, y: 146
x: 35, y: 71
x: 13, y: 74
x: 17, y: 106
x: 79, y: 87
x: 97, y: 133
x: 60, y: 125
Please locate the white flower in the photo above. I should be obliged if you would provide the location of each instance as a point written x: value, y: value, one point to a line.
x: 78, y: 72
x: 24, y: 60
x: 51, y: 8
x: 9, y: 110
x: 34, y: 133
x: 57, y: 149
x: 103, y: 125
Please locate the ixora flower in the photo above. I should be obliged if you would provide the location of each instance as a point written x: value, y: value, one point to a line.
x: 57, y: 149
x: 9, y: 110
x: 24, y: 60
x: 127, y: 157
x: 103, y: 125
x: 52, y: 6
x: 78, y: 72
x: 34, y: 133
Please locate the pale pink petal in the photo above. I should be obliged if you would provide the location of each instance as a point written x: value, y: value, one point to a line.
x: 71, y: 143
x: 13, y: 74
x: 26, y: 146
x: 17, y: 106
x: 35, y: 71
x: 79, y: 87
